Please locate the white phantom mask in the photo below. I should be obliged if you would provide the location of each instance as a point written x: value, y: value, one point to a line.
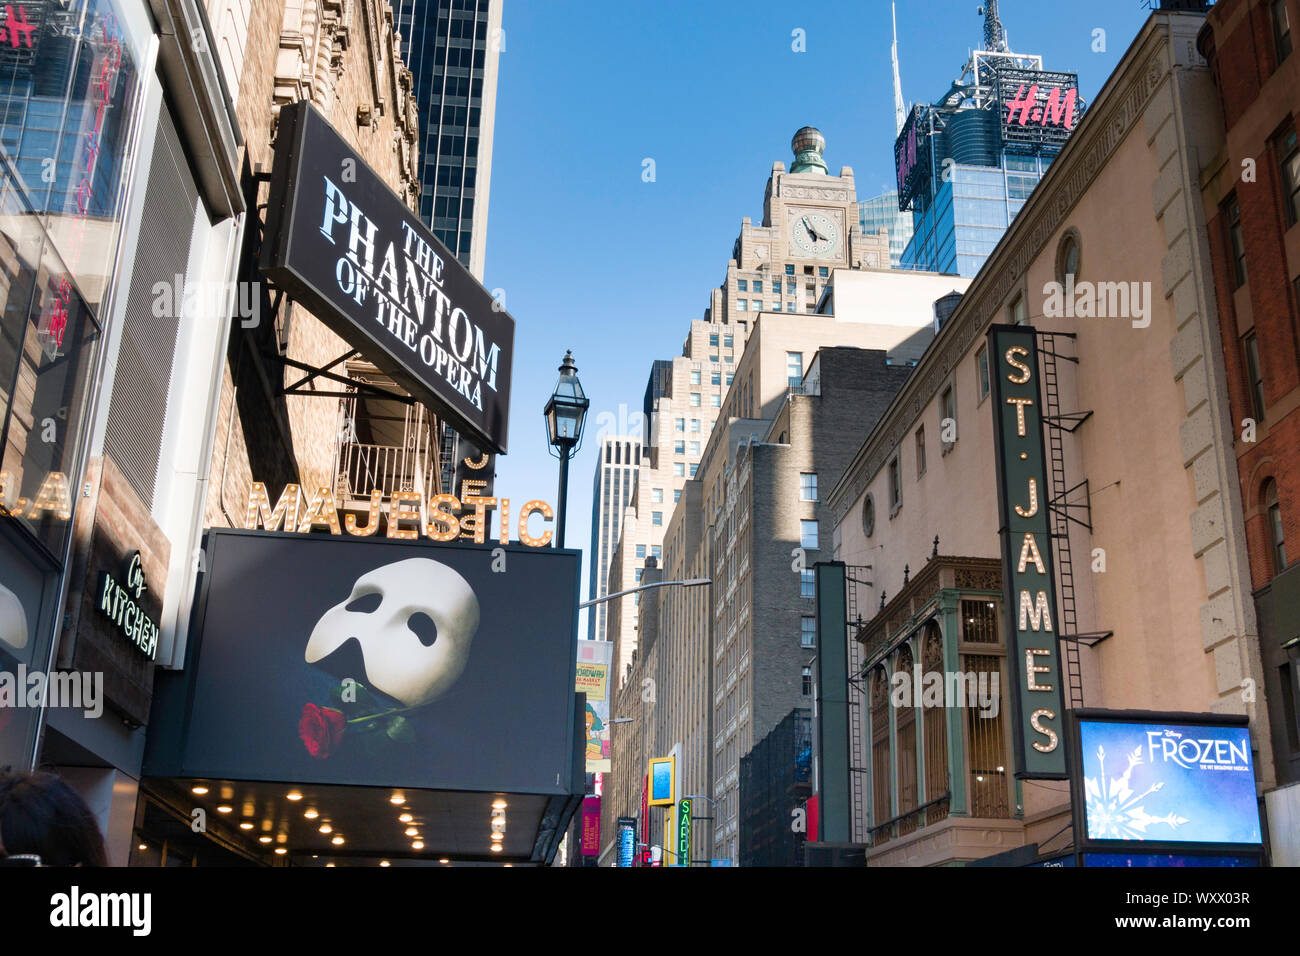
x: 13, y: 619
x: 404, y: 656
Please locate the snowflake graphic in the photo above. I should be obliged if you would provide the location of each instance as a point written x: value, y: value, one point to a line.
x: 1113, y: 811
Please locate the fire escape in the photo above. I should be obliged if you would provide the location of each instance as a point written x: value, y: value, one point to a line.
x: 1065, y: 505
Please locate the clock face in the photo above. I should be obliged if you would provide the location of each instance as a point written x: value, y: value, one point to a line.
x: 813, y: 235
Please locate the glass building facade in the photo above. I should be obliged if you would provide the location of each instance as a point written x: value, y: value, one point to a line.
x: 956, y: 231
x: 451, y: 48
x: 881, y: 212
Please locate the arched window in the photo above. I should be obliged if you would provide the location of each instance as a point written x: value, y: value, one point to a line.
x: 935, y: 722
x: 881, y: 807
x: 1273, y: 516
x: 906, y: 723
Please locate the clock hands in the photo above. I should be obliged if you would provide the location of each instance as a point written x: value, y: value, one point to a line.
x: 818, y: 237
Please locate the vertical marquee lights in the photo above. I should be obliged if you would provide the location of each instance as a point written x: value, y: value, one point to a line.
x: 1037, y: 705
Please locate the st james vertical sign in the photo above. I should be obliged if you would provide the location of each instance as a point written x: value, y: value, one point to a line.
x: 1033, y: 642
x: 346, y: 246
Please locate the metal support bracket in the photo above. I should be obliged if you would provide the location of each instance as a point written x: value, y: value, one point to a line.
x: 313, y: 373
x: 1061, y: 505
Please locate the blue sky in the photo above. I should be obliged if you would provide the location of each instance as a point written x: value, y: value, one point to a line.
x: 595, y: 259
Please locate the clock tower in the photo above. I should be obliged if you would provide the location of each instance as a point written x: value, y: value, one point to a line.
x: 809, y: 228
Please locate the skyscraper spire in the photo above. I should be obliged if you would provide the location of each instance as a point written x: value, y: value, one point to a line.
x: 995, y: 37
x: 900, y: 111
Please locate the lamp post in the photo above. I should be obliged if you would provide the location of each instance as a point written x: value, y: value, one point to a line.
x: 566, y: 412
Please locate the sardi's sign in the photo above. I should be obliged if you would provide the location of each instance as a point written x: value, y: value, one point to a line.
x: 1030, y: 588
x: 347, y: 247
x: 408, y: 515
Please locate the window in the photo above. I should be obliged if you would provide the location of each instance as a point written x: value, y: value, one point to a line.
x: 895, y: 485
x: 677, y: 495
x: 715, y: 378
x: 807, y: 270
x: 758, y: 285
x: 807, y: 630
x: 695, y: 399
x: 822, y: 271
x: 679, y: 447
x: 1288, y: 153
x: 1273, y: 514
x: 1281, y: 31
x: 728, y: 341
x: 742, y: 286
x: 1236, y: 243
x: 695, y: 424
x: 694, y: 469
x: 868, y: 516
x: 679, y: 469
x: 776, y: 287
x: 807, y: 682
x: 640, y: 552
x: 656, y: 495
x: 808, y: 486
x: 807, y: 585
x: 713, y: 340
x: 794, y: 368
x: 715, y: 401
x: 639, y: 572
x: 731, y: 377
x: 808, y: 535
x: 657, y: 518
x: 1254, y: 375
x: 695, y: 378
x: 920, y: 451
x: 742, y: 304
x: 948, y: 424
x: 657, y: 551
x: 982, y: 370
x: 789, y: 270
x: 695, y: 448
x: 1067, y: 256
x: 1019, y: 311
x: 680, y: 425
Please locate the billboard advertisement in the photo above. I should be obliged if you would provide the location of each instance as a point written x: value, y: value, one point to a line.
x: 378, y: 662
x: 1039, y: 109
x: 1032, y: 625
x: 347, y: 247
x: 591, y: 826
x: 911, y: 157
x: 595, y: 658
x: 663, y: 782
x: 1157, y: 779
x: 627, y: 841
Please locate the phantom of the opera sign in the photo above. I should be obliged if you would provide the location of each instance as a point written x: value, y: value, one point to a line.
x: 1037, y: 703
x: 343, y: 243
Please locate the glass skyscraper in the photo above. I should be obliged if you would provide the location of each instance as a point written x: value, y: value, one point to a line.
x: 451, y: 48
x: 881, y: 212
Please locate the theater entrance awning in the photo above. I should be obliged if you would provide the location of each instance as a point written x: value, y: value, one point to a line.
x: 364, y: 679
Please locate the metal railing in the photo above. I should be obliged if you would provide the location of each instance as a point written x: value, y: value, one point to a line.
x: 364, y: 468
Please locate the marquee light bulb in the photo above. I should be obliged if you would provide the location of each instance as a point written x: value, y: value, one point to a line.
x: 405, y: 818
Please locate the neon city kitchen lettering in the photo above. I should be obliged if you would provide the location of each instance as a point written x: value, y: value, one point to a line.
x: 1034, y: 610
x: 405, y: 281
x: 1189, y: 752
x: 407, y: 515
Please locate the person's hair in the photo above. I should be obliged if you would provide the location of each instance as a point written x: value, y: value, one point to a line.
x: 42, y: 815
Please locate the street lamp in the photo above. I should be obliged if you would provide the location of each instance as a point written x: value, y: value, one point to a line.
x: 566, y: 411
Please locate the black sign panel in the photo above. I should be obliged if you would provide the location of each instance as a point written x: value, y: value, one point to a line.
x: 341, y: 241
x: 376, y: 662
x: 1039, y: 109
x: 912, y: 156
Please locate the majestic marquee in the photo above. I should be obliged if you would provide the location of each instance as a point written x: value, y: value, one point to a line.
x: 1039, y: 109
x: 346, y: 246
x: 1147, y: 780
x: 1033, y: 640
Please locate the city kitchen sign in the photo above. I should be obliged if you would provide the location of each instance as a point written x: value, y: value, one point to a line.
x: 1029, y: 585
x: 119, y: 601
x: 341, y: 242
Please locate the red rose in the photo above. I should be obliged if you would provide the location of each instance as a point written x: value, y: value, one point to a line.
x: 321, y: 729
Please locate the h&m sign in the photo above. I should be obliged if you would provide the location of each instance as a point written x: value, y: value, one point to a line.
x: 1033, y: 642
